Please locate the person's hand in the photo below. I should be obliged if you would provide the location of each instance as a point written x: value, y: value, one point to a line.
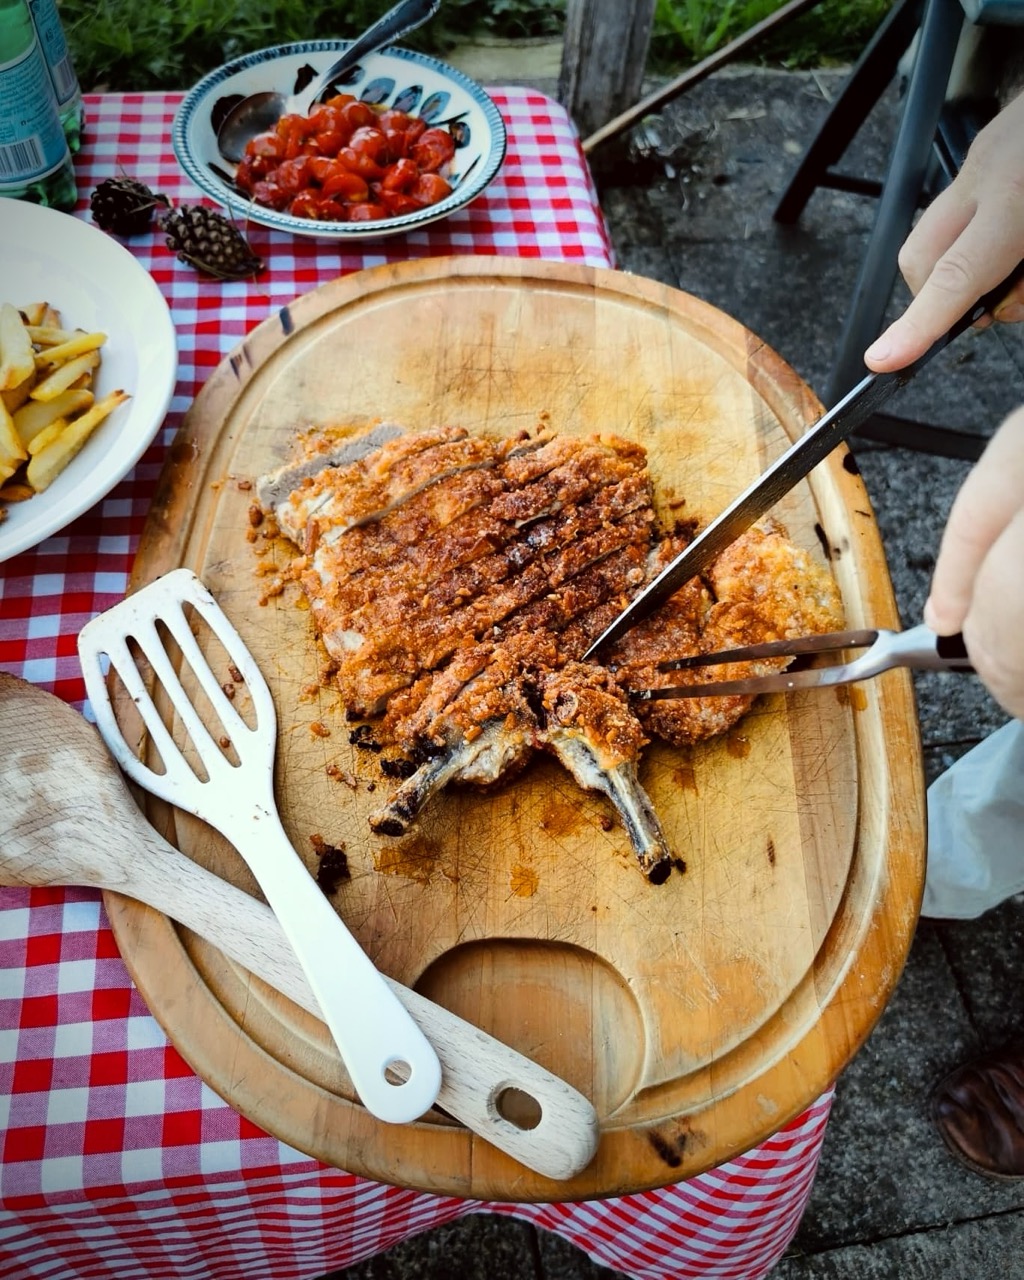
x: 978, y: 584
x: 969, y: 239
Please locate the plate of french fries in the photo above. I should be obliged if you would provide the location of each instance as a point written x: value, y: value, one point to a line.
x: 88, y: 363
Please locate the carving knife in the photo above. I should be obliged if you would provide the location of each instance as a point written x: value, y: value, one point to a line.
x: 787, y: 471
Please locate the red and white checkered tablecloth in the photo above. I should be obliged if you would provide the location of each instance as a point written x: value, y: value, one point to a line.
x: 118, y: 1163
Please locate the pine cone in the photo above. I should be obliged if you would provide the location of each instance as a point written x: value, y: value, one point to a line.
x: 211, y: 243
x: 124, y: 206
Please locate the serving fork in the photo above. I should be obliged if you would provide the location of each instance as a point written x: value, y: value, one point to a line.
x: 919, y: 648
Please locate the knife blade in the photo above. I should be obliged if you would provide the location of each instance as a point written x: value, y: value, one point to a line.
x: 782, y: 475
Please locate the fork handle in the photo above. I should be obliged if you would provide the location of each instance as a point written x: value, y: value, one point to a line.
x: 374, y: 1033
x: 922, y: 649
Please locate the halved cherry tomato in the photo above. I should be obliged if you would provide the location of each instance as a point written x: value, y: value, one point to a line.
x: 322, y: 167
x: 270, y: 194
x: 368, y: 141
x: 292, y: 175
x: 433, y: 150
x: 429, y: 188
x: 252, y: 169
x: 400, y: 177
x: 356, y: 162
x: 305, y: 204
x: 347, y: 186
x: 368, y: 211
x: 266, y: 144
x: 398, y: 202
x: 357, y: 115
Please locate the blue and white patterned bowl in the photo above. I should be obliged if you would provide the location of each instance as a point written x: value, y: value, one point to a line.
x: 398, y: 78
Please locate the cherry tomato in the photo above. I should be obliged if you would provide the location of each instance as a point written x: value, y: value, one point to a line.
x: 266, y: 144
x: 270, y: 194
x: 357, y: 115
x: 356, y: 162
x: 429, y: 188
x: 398, y: 202
x: 345, y: 185
x: 400, y: 177
x: 305, y: 204
x: 368, y: 211
x: 325, y: 119
x: 368, y: 141
x: 292, y: 175
x: 433, y: 151
x: 322, y: 167
x: 396, y: 146
x: 334, y: 210
x: 252, y: 169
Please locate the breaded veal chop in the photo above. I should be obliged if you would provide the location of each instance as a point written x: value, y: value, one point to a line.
x: 456, y: 580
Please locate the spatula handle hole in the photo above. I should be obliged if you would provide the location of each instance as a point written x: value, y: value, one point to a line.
x: 518, y: 1108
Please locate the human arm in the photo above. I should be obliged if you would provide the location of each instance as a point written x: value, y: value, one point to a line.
x: 978, y: 584
x: 969, y: 239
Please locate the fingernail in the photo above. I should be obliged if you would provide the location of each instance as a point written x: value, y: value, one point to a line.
x: 1010, y: 313
x: 879, y: 351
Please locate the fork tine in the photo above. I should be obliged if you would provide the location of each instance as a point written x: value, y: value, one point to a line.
x: 827, y: 642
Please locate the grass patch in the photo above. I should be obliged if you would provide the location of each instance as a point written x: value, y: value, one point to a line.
x: 148, y: 44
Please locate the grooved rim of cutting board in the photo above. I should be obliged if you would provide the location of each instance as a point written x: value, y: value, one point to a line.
x: 815, y: 942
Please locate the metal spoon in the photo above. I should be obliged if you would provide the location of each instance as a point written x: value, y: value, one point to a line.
x: 261, y: 111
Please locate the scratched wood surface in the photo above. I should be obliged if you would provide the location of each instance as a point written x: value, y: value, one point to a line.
x: 698, y: 1015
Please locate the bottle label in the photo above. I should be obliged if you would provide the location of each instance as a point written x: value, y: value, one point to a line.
x: 32, y: 142
x: 55, y: 49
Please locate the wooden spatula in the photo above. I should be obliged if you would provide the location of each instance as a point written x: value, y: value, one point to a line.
x: 68, y: 818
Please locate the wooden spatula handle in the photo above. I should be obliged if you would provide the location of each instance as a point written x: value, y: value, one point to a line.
x: 476, y: 1069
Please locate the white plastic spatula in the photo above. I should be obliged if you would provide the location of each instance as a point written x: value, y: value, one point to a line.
x: 392, y: 1065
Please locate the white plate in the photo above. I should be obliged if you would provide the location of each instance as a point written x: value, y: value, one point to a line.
x: 392, y: 77
x: 95, y: 283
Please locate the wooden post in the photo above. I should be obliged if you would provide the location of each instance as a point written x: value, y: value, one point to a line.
x: 604, y: 59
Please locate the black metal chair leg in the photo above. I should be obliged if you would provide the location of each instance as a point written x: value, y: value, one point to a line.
x: 901, y: 192
x: 868, y: 80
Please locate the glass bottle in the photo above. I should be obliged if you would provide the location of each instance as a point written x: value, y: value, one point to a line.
x: 35, y: 163
x: 53, y: 42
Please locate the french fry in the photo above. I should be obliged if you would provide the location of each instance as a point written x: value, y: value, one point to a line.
x: 17, y: 356
x: 64, y: 375
x: 34, y: 313
x: 49, y: 411
x: 12, y: 451
x: 49, y: 335
x: 48, y: 462
x: 51, y: 432
x: 36, y: 415
x: 13, y: 400
x: 68, y: 350
x: 16, y: 491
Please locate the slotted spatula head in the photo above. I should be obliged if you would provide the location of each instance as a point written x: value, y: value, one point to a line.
x: 218, y: 765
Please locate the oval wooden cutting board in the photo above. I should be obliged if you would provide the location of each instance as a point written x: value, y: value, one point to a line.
x: 699, y: 1015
